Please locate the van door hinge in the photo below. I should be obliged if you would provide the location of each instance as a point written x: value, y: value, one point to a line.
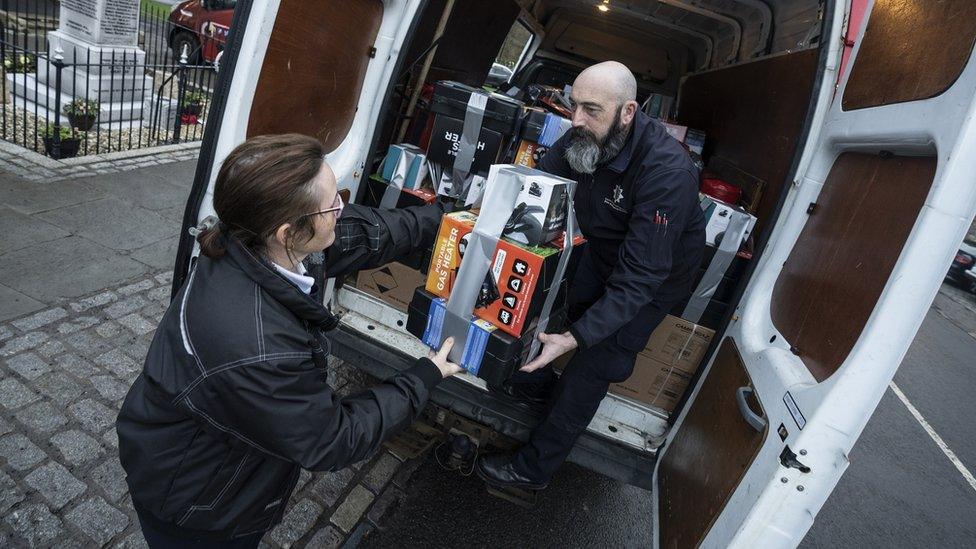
x: 788, y: 459
x: 372, y: 52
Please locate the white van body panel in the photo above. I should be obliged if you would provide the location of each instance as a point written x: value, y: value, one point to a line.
x: 774, y: 506
x: 233, y: 129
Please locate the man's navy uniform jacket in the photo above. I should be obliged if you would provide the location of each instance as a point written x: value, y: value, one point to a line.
x: 644, y: 228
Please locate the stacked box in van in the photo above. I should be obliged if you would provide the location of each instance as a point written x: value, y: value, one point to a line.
x: 460, y: 110
x: 518, y: 280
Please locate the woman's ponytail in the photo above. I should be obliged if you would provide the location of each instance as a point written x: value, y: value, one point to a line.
x: 211, y: 241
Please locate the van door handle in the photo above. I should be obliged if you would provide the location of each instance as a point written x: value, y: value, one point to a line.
x: 754, y: 420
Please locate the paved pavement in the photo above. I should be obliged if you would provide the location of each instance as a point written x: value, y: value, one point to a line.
x: 85, y: 274
x: 901, y: 490
x: 86, y: 234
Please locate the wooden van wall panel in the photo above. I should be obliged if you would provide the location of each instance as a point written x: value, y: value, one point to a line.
x: 708, y: 457
x: 753, y: 114
x: 314, y: 68
x: 911, y: 50
x: 844, y: 256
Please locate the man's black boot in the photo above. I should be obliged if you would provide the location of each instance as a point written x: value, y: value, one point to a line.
x: 498, y: 470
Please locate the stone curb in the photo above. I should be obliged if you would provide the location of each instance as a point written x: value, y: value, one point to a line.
x: 16, y: 151
x: 34, y: 166
x: 125, y: 155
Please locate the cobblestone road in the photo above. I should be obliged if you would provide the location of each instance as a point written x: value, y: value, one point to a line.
x: 64, y: 372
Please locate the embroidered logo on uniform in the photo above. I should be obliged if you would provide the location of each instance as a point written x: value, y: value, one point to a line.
x: 616, y: 200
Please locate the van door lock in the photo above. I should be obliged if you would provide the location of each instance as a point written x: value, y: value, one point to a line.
x: 788, y: 459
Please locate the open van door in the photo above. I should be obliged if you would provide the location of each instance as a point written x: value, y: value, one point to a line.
x: 315, y: 68
x: 881, y: 197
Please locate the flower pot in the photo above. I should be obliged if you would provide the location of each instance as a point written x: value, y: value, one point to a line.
x: 192, y: 108
x: 69, y: 147
x: 83, y: 122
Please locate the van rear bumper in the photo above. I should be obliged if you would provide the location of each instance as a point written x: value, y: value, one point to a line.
x: 622, y: 463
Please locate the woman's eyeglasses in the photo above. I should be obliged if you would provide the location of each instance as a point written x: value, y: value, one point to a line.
x: 337, y: 206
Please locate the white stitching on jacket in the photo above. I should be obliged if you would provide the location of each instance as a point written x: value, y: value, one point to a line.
x: 226, y: 429
x: 218, y: 497
x: 234, y: 364
x: 184, y: 331
x: 258, y: 321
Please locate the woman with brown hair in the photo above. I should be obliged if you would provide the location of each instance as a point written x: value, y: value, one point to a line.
x: 233, y: 401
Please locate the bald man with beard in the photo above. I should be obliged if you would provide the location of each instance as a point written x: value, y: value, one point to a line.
x: 637, y: 205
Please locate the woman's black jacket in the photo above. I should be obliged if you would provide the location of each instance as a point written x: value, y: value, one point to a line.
x: 232, y: 401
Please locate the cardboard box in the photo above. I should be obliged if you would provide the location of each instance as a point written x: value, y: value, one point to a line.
x: 376, y: 187
x: 540, y: 130
x: 654, y: 383
x: 718, y: 214
x: 530, y: 153
x: 393, y: 283
x: 444, y: 185
x: 518, y: 281
x: 666, y: 365
x: 693, y: 140
x: 540, y: 211
x: 679, y: 342
x: 406, y: 163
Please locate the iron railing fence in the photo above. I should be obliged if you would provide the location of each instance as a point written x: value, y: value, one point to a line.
x: 66, y: 101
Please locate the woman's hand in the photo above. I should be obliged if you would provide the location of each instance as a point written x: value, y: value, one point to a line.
x: 439, y: 359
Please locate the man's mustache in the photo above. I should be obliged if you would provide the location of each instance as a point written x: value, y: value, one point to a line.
x: 579, y: 133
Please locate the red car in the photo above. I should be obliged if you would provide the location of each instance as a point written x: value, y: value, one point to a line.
x: 202, y: 25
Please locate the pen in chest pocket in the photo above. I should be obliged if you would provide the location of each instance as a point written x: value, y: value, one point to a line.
x: 660, y: 222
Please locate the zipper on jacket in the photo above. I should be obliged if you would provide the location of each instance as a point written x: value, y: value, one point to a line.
x: 588, y: 196
x: 321, y: 347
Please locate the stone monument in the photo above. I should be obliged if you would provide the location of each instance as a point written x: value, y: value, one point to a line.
x: 97, y: 42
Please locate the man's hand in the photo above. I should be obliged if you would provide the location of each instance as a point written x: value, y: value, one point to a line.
x: 554, y: 346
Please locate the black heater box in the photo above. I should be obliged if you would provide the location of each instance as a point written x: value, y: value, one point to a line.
x: 504, y: 354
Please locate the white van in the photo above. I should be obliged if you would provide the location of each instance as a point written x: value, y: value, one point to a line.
x: 858, y: 120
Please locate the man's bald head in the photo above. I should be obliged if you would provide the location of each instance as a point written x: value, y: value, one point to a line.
x: 604, y: 106
x: 613, y: 77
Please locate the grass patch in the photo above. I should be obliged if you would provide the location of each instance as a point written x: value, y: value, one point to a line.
x: 153, y: 7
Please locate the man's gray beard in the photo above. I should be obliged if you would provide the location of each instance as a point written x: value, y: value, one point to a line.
x: 584, y: 154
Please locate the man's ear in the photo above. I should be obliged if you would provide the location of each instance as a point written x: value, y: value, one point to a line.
x: 628, y: 112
